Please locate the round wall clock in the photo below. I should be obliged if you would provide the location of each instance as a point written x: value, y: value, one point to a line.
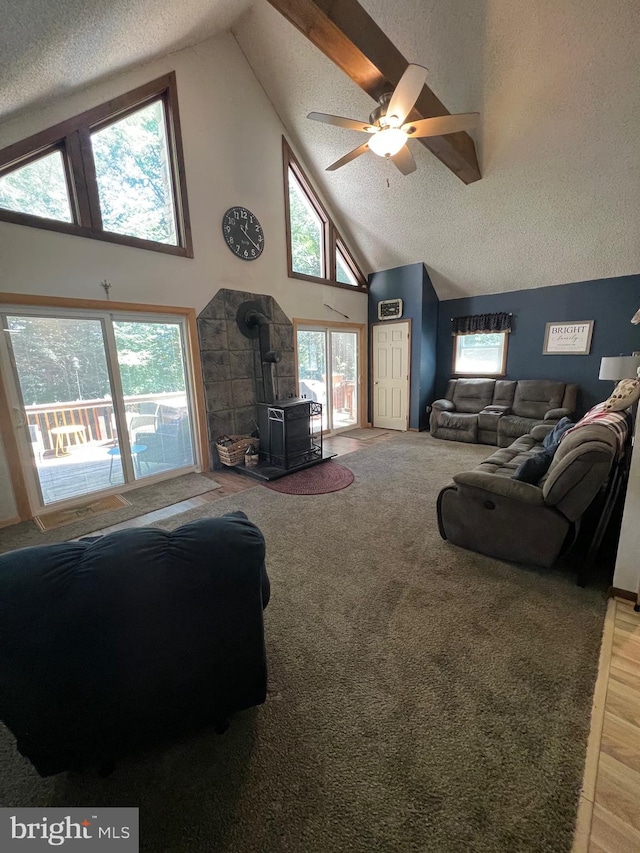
x: 243, y: 233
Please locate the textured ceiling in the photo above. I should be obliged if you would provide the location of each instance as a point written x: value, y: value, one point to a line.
x: 51, y: 47
x: 557, y: 83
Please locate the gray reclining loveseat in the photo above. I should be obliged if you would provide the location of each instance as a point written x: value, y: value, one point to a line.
x: 486, y: 510
x: 495, y: 411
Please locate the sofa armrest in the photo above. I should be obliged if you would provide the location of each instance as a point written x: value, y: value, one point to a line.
x: 556, y: 414
x: 443, y: 405
x: 496, y: 410
x: 503, y: 486
x: 539, y: 431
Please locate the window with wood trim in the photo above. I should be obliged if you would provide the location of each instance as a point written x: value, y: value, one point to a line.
x: 115, y: 173
x: 315, y: 249
x: 483, y: 354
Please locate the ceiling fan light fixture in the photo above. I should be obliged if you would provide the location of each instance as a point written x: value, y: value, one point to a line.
x: 387, y: 141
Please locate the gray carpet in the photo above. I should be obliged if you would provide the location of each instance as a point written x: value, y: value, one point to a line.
x: 143, y: 500
x: 422, y: 698
x: 363, y: 434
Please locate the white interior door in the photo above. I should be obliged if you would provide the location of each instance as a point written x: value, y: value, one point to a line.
x: 391, y: 343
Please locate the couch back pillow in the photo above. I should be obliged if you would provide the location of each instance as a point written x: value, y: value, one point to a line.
x: 472, y: 395
x: 535, y: 397
x: 504, y: 392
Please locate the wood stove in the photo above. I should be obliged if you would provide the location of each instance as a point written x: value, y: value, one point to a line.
x: 290, y: 433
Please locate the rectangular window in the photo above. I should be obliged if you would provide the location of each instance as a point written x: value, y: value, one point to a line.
x: 315, y: 250
x: 480, y: 355
x: 113, y: 173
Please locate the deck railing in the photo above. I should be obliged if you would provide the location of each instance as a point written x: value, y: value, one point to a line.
x: 96, y: 416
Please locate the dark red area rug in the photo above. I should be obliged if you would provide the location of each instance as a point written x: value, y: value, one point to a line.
x: 322, y: 478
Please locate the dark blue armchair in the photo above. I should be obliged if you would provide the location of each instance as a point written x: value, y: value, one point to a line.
x: 112, y: 645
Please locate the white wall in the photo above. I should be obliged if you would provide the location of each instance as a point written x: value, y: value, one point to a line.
x: 233, y: 155
x: 627, y: 573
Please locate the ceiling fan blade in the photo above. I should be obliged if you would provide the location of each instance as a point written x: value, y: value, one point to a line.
x: 404, y: 161
x: 339, y: 121
x: 361, y: 149
x: 441, y: 125
x: 407, y: 91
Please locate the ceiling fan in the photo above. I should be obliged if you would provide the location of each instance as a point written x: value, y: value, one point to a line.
x: 387, y: 127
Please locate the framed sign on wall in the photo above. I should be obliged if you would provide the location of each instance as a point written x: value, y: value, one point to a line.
x: 568, y: 338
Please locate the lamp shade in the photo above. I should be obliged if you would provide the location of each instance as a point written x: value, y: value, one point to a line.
x: 619, y: 367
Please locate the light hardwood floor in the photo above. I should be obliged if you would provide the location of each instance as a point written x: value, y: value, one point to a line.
x: 609, y: 813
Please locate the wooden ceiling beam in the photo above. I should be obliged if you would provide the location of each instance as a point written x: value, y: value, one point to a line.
x: 350, y: 38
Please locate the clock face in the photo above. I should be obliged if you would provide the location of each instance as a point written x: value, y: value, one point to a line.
x: 243, y: 233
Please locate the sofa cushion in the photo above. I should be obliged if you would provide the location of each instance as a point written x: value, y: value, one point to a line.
x: 534, y: 397
x: 472, y: 395
x: 533, y: 469
x: 457, y: 426
x: 513, y: 426
x: 506, y: 461
x: 504, y: 392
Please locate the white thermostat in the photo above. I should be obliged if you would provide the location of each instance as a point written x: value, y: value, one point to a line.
x: 390, y: 309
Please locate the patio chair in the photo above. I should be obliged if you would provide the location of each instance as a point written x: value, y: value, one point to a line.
x: 170, y: 444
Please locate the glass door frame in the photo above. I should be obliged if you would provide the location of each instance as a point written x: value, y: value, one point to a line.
x: 107, y: 317
x: 327, y: 327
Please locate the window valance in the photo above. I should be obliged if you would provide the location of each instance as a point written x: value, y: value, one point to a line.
x: 478, y: 324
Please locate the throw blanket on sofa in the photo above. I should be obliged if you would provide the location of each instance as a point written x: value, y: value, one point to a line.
x: 619, y: 422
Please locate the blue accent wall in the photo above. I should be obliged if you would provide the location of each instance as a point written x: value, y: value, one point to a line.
x: 610, y: 302
x: 420, y: 305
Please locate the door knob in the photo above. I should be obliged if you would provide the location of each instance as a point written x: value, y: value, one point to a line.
x: 21, y: 417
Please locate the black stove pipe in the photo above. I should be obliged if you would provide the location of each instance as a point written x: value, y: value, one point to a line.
x: 268, y: 356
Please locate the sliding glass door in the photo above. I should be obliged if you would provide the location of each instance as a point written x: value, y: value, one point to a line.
x: 328, y: 372
x: 99, y: 400
x: 151, y: 362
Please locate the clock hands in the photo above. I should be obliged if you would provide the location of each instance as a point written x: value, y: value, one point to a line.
x: 243, y: 228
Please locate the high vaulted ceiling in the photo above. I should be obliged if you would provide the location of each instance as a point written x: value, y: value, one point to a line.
x: 557, y: 83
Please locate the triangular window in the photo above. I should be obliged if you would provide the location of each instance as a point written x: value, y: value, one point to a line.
x: 343, y: 271
x: 315, y: 251
x: 307, y: 229
x: 39, y: 189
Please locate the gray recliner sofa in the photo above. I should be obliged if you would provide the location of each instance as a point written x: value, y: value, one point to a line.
x: 485, y: 510
x: 495, y: 411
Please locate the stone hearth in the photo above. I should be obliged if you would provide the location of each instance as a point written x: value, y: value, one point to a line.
x: 232, y: 367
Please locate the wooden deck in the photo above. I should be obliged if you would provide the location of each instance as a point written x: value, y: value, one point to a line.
x: 86, y: 469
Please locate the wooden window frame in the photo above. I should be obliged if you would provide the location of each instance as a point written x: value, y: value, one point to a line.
x: 503, y: 367
x: 331, y: 239
x: 191, y: 351
x: 73, y: 138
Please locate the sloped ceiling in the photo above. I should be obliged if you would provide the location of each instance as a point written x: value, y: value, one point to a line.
x: 557, y: 83
x: 52, y: 47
